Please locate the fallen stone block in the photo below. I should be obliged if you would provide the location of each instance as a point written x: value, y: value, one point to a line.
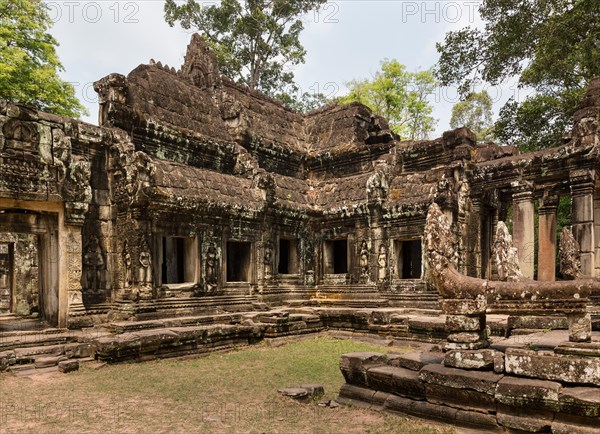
x: 67, y: 366
x: 303, y: 392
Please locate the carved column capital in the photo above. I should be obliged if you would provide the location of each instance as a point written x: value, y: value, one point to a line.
x: 582, y: 181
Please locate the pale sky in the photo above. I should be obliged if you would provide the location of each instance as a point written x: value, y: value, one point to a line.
x: 346, y: 40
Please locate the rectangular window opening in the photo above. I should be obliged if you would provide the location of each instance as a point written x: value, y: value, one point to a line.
x: 238, y: 261
x: 178, y: 260
x: 288, y: 257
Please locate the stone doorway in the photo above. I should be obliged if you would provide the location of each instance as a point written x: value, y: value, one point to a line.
x: 29, y: 264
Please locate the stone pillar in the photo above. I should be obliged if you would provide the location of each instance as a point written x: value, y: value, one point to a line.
x: 547, y: 239
x: 465, y: 322
x: 524, y: 231
x: 580, y: 327
x: 597, y: 233
x: 582, y: 217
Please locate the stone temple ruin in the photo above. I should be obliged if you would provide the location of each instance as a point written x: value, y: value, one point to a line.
x: 201, y: 214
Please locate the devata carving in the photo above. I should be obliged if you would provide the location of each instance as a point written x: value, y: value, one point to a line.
x: 364, y: 260
x: 77, y: 191
x: 570, y: 263
x: 145, y: 265
x: 382, y: 264
x: 127, y: 265
x: 94, y: 267
x: 507, y: 261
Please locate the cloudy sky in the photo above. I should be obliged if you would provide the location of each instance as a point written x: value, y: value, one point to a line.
x: 347, y: 39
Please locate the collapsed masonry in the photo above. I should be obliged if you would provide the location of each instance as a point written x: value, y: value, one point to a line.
x: 196, y: 193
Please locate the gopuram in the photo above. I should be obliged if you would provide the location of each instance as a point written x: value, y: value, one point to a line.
x: 201, y: 214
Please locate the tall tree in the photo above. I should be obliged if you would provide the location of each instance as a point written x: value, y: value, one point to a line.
x: 256, y: 41
x: 398, y: 95
x: 28, y: 62
x: 474, y: 112
x: 553, y: 46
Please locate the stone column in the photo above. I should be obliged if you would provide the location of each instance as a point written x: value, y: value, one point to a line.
x: 524, y: 230
x: 597, y: 233
x: 582, y: 217
x: 547, y: 238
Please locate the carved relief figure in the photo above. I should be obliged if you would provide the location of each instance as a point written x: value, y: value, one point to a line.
x: 93, y: 266
x: 145, y: 265
x: 128, y: 278
x: 211, y: 264
x: 268, y: 259
x: 382, y: 263
x: 364, y: 260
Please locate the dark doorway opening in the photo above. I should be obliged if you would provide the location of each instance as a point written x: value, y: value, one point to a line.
x: 340, y: 256
x: 238, y: 261
x: 409, y: 254
x: 178, y: 260
x: 288, y: 256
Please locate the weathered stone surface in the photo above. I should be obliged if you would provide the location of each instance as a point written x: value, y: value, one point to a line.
x: 47, y: 361
x: 580, y: 327
x: 358, y: 396
x: 569, y: 424
x: 463, y: 323
x: 590, y: 349
x: 67, y: 366
x: 396, y: 380
x: 354, y: 366
x: 581, y: 401
x: 474, y: 359
x: 524, y: 419
x: 464, y: 307
x: 550, y: 366
x: 466, y: 337
x: 464, y: 399
x: 480, y: 381
x: 420, y: 408
x: 415, y: 360
x: 527, y: 393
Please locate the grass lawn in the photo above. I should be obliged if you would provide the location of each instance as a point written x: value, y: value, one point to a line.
x: 224, y: 392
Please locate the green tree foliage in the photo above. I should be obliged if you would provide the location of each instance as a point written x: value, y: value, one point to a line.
x: 553, y: 46
x: 256, y: 41
x: 474, y: 112
x: 398, y: 95
x: 28, y: 62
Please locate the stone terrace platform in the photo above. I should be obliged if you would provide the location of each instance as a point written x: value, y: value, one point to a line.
x: 27, y: 348
x: 527, y: 383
